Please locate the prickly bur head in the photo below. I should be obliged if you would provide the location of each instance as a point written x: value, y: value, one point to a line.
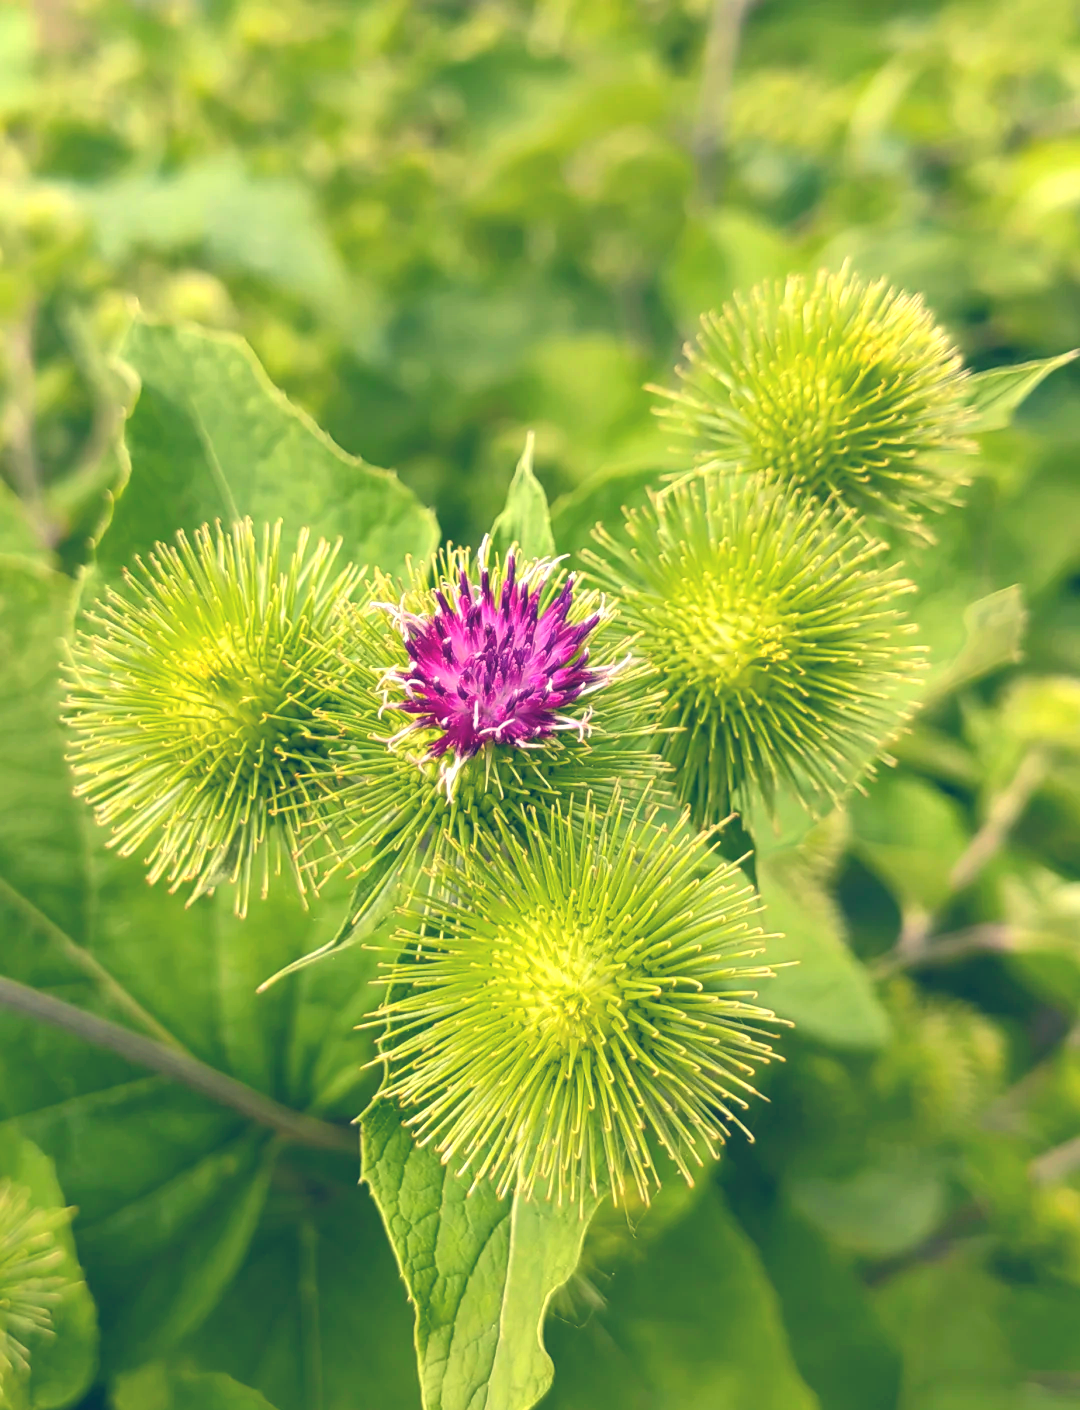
x: 576, y: 1001
x: 488, y: 687
x: 195, y: 701
x: 844, y: 388
x: 776, y: 635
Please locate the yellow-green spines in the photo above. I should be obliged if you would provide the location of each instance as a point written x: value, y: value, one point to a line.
x: 195, y: 705
x: 29, y: 1284
x: 776, y: 634
x: 575, y: 1000
x: 847, y: 389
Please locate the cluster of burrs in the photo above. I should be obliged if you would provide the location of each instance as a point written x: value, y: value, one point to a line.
x: 539, y: 766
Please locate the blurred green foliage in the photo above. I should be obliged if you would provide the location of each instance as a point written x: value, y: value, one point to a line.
x: 441, y: 224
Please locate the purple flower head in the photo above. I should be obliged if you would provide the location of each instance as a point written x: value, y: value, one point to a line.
x: 491, y: 666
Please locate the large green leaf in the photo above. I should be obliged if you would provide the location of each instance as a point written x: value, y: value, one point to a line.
x: 996, y: 394
x: 820, y: 985
x: 693, y: 1325
x: 839, y: 1344
x: 211, y: 437
x: 160, y: 1387
x: 41, y: 862
x: 480, y: 1270
x: 879, y: 1210
x: 994, y: 628
x: 525, y: 519
x: 317, y: 1316
x: 970, y: 1342
x: 16, y: 534
x: 61, y: 1367
x: 600, y: 500
x: 169, y: 1186
x: 912, y: 835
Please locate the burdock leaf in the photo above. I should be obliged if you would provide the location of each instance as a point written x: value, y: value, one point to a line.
x: 169, y: 1186
x: 211, y: 437
x: 480, y: 1270
x: 600, y: 500
x: 996, y: 394
x: 525, y: 519
x: 826, y: 992
x: 317, y: 1316
x: 692, y: 1325
x: 61, y: 1365
x: 16, y: 533
x: 994, y: 628
x: 160, y: 1387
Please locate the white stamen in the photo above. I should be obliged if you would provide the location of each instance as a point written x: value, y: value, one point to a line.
x: 606, y: 674
x: 448, y: 775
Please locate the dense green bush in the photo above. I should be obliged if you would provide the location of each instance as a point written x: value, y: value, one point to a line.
x: 440, y: 225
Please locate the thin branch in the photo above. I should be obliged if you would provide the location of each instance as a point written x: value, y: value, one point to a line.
x: 943, y: 949
x: 917, y: 946
x: 177, y: 1066
x: 1056, y: 1164
x: 718, y: 71
x: 1004, y: 812
x: 90, y: 966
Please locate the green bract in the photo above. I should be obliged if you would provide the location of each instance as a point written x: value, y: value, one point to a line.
x: 847, y: 389
x: 777, y: 638
x: 573, y: 998
x: 196, y: 705
x: 29, y: 1285
x: 400, y: 781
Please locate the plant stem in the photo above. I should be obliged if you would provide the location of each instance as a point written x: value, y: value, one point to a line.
x: 1057, y: 1163
x: 1004, y: 811
x: 90, y: 966
x: 976, y: 939
x: 718, y: 70
x: 177, y: 1066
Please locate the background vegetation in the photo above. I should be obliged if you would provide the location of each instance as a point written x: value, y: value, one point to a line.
x: 440, y: 224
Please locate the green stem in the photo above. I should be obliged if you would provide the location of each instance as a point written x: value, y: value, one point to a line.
x: 90, y: 966
x: 177, y: 1066
x: 1004, y: 811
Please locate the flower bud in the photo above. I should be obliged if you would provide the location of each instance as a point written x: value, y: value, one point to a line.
x: 196, y: 704
x: 491, y: 686
x: 776, y: 636
x: 575, y: 1000
x: 846, y: 389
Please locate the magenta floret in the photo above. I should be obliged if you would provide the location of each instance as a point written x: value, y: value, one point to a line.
x: 493, y: 668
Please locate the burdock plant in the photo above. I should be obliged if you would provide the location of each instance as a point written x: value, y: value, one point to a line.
x: 848, y: 390
x: 533, y: 769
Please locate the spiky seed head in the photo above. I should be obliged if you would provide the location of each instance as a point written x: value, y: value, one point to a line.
x: 575, y: 1000
x: 195, y: 704
x: 776, y: 634
x: 30, y: 1286
x: 847, y: 389
x: 490, y: 686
